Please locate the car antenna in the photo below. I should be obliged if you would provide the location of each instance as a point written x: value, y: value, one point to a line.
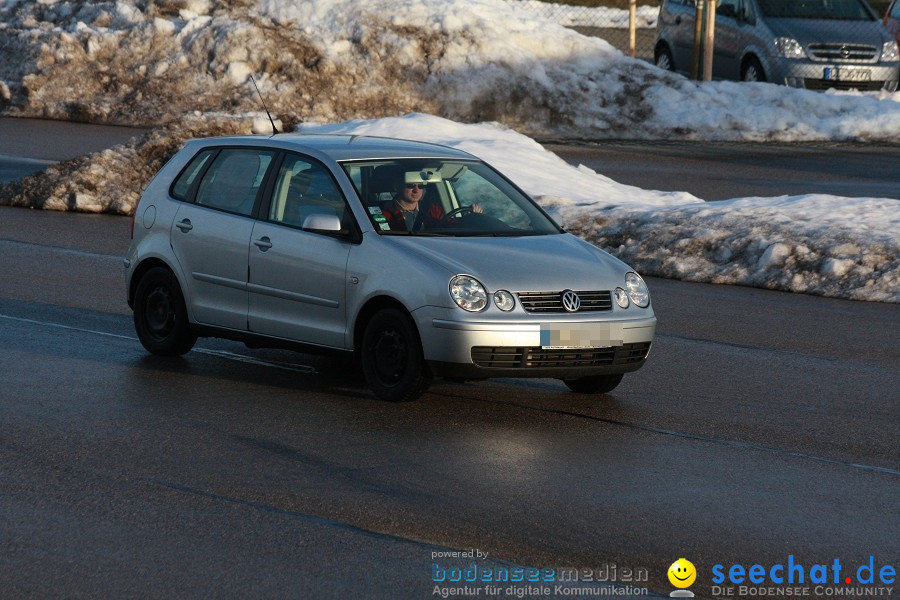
x: 274, y: 129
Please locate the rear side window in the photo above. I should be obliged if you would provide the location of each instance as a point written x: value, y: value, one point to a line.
x: 182, y: 187
x: 895, y: 11
x: 233, y: 179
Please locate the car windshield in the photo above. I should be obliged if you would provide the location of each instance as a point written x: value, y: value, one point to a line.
x: 444, y: 197
x: 851, y: 10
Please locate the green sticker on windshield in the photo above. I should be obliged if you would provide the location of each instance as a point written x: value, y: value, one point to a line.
x: 385, y: 227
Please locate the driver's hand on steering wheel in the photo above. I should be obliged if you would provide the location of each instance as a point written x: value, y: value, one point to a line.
x: 476, y: 208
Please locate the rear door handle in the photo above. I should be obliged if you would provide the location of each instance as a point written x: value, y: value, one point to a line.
x: 263, y: 243
x: 184, y: 225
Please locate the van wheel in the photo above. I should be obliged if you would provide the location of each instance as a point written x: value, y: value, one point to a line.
x: 596, y: 384
x: 392, y: 358
x: 752, y: 70
x: 664, y: 58
x: 160, y: 317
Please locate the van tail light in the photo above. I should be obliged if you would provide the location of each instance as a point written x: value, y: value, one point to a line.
x: 132, y: 221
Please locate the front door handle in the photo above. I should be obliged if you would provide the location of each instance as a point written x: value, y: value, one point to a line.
x: 184, y: 225
x: 263, y: 243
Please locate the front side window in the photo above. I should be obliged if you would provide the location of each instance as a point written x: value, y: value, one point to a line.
x: 233, y: 180
x: 444, y: 197
x: 851, y: 10
x: 304, y: 188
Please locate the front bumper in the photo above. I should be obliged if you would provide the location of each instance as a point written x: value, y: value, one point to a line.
x: 820, y: 75
x: 515, y: 347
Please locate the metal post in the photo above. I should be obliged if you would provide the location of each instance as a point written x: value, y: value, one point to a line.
x: 708, y: 42
x: 632, y: 26
x: 698, y: 39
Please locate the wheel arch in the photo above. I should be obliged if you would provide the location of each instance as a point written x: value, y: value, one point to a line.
x: 142, y: 267
x: 368, y: 310
x: 752, y: 55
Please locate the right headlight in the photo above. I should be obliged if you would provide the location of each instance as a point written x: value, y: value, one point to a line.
x: 889, y: 52
x: 789, y: 48
x: 637, y: 290
x: 468, y: 293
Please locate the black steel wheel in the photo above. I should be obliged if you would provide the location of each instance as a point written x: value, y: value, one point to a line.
x: 596, y: 384
x: 160, y: 316
x: 392, y: 358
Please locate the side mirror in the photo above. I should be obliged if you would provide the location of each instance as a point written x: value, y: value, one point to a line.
x: 322, y: 223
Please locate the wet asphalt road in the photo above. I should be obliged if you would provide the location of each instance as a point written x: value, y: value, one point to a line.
x: 765, y: 424
x: 724, y: 170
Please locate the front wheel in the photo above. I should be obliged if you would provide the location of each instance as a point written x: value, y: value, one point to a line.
x: 392, y: 358
x: 160, y: 317
x: 596, y: 384
x: 753, y: 71
x: 664, y: 58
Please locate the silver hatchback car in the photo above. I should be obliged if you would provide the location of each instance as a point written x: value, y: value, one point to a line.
x: 419, y: 259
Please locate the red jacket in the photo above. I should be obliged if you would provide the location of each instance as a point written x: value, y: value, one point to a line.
x: 430, y: 213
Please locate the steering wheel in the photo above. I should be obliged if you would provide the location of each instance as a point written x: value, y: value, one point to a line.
x: 457, y: 212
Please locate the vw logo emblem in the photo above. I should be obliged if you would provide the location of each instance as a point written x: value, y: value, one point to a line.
x: 570, y: 300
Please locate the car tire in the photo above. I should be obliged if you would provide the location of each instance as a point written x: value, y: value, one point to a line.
x: 596, y: 384
x: 160, y: 316
x: 752, y: 70
x: 392, y: 359
x: 663, y: 58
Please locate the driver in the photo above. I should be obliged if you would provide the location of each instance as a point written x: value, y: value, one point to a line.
x: 406, y: 211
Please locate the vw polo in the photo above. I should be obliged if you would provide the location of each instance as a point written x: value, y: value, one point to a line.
x: 421, y: 260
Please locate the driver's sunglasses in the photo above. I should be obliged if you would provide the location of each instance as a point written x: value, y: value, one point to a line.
x: 412, y: 186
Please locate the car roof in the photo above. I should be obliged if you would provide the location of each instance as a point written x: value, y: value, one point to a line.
x: 343, y: 147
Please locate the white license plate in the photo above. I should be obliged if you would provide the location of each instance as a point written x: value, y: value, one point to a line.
x: 580, y: 335
x: 835, y: 74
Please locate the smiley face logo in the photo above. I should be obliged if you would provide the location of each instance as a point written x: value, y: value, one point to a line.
x: 682, y: 573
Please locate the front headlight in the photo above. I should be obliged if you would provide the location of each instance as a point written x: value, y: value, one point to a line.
x: 889, y: 52
x: 637, y: 290
x: 789, y: 48
x: 468, y: 293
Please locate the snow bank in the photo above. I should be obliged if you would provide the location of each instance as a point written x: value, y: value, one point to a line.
x: 151, y: 61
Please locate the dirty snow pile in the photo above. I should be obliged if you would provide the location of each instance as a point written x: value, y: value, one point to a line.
x: 150, y: 61
x: 112, y: 180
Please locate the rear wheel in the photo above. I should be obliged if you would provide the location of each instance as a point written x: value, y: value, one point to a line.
x: 392, y: 358
x: 160, y: 316
x: 596, y: 384
x: 752, y: 70
x: 664, y: 58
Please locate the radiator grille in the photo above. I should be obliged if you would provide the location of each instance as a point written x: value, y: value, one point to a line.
x: 551, y: 302
x: 842, y: 52
x: 509, y: 357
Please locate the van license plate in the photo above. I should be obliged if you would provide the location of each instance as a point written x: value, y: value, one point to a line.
x: 835, y: 74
